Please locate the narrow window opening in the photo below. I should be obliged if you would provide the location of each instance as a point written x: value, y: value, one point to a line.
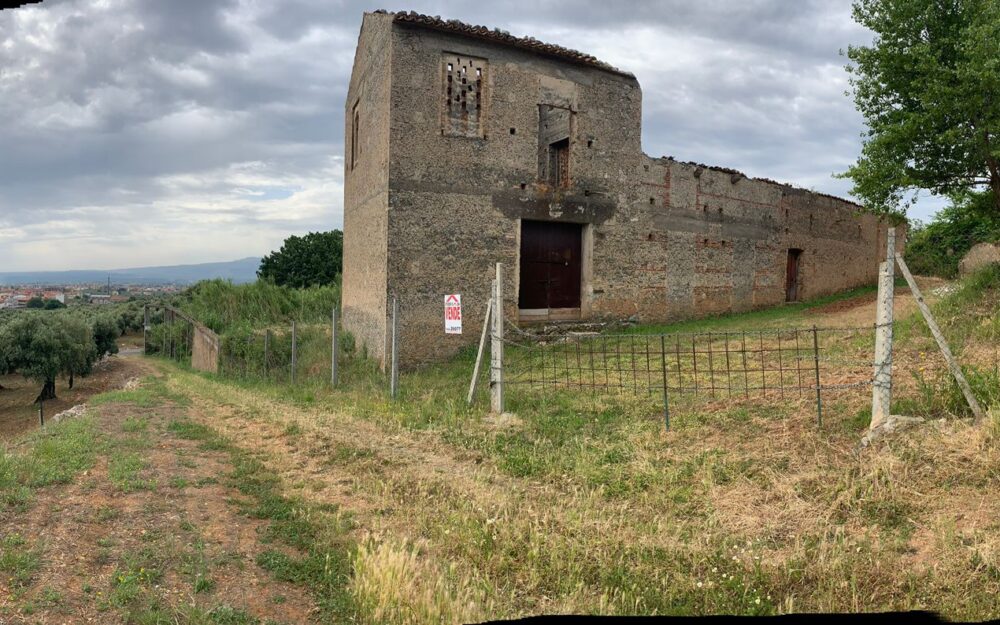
x: 792, y: 271
x: 590, y: 143
x: 513, y: 131
x: 554, y: 130
x: 652, y: 201
x: 559, y: 163
x: 355, y: 134
x: 523, y: 186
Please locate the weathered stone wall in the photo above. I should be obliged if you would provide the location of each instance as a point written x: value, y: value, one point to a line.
x: 366, y: 188
x: 662, y: 239
x: 455, y: 201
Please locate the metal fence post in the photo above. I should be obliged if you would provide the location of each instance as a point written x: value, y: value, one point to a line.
x: 145, y: 328
x: 267, y: 352
x: 663, y: 367
x: 334, y: 347
x: 295, y: 355
x: 394, y: 370
x: 496, y: 346
x: 819, y: 399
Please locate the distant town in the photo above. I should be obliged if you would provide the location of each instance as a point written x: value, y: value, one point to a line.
x: 22, y: 296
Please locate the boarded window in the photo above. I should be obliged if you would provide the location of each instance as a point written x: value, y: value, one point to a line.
x: 792, y: 271
x: 463, y: 96
x: 554, y: 130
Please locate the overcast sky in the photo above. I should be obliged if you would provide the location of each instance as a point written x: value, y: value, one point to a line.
x: 141, y: 132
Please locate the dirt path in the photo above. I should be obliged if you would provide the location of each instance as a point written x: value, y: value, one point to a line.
x: 859, y: 312
x: 18, y: 413
x: 149, y: 527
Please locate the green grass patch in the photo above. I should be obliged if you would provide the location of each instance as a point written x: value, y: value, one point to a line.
x: 318, y: 536
x: 52, y: 455
x: 19, y: 561
x: 125, y: 473
x: 151, y: 392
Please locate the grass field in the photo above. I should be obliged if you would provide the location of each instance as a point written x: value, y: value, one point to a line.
x: 343, y: 504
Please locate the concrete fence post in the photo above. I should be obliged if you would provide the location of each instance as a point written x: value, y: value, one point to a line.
x: 953, y: 366
x: 882, y: 380
x: 496, y: 346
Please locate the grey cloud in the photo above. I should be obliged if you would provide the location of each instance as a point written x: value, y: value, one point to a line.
x: 151, y: 128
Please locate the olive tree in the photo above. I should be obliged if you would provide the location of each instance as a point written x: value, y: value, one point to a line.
x: 43, y: 347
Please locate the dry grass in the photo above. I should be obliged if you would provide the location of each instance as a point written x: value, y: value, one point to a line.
x: 393, y: 584
x: 585, y: 505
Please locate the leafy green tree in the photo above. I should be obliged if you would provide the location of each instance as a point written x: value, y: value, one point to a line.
x: 937, y: 247
x: 106, y: 331
x: 929, y: 90
x: 36, y: 302
x: 313, y: 260
x: 81, y: 349
x: 54, y: 304
x: 43, y: 347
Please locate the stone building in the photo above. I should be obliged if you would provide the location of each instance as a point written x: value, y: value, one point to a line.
x: 467, y: 146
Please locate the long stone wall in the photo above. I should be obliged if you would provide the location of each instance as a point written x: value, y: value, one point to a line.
x: 662, y: 239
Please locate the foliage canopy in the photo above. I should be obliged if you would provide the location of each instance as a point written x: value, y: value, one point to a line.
x: 937, y: 247
x: 929, y: 90
x: 313, y: 260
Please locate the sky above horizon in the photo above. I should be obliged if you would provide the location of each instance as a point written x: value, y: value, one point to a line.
x: 143, y: 132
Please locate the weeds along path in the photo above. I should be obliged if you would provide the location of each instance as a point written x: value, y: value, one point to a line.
x: 749, y: 511
x: 411, y: 490
x: 117, y: 516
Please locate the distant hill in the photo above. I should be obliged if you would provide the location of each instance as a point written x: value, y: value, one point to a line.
x: 239, y: 271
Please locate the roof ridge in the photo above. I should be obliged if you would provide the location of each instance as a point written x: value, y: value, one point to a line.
x: 502, y: 36
x: 736, y: 172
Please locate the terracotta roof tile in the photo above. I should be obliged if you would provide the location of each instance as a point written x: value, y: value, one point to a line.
x: 504, y: 37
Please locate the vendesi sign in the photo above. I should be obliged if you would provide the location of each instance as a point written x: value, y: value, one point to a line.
x: 453, y: 314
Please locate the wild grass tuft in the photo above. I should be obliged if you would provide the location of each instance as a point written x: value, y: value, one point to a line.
x: 394, y: 585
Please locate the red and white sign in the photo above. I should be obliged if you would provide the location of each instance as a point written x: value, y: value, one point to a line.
x: 453, y: 314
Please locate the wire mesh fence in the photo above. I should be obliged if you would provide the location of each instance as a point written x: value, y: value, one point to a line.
x: 749, y: 364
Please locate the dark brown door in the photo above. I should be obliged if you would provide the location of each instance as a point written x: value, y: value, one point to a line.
x: 550, y: 265
x: 792, y: 276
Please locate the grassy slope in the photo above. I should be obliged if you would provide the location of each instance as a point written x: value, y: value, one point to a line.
x: 584, y: 504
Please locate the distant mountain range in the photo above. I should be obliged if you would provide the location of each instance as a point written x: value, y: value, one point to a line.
x: 239, y: 271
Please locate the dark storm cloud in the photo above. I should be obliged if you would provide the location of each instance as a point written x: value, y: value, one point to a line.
x: 146, y: 131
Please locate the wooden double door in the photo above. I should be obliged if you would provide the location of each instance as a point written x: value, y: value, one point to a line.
x: 550, y: 267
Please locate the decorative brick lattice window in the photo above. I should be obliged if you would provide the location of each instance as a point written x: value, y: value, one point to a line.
x: 464, y: 96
